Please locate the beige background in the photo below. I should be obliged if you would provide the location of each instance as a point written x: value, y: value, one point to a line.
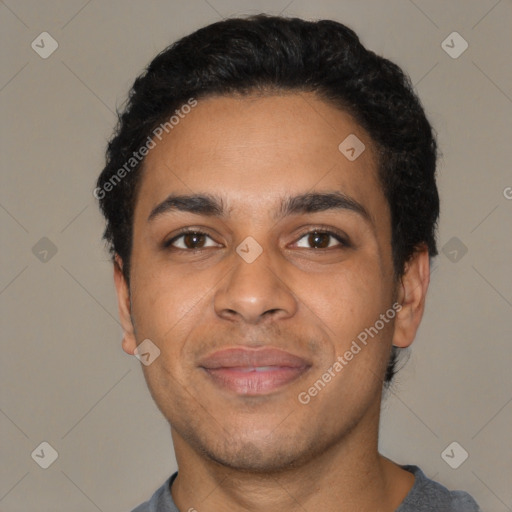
x: 65, y: 379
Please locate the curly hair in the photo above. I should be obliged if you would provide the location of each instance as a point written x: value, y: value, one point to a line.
x: 263, y: 53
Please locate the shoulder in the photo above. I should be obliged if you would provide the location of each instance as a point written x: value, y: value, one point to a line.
x: 161, y: 501
x: 427, y: 495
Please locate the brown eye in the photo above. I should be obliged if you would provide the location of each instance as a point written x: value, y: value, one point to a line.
x: 321, y: 240
x: 191, y: 240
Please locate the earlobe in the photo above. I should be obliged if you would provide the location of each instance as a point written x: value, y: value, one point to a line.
x: 128, y: 345
x: 413, y: 290
x: 129, y: 342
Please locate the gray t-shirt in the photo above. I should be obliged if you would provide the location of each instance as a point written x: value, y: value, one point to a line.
x: 425, y: 496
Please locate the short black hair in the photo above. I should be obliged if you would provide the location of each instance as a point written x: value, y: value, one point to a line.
x: 262, y: 53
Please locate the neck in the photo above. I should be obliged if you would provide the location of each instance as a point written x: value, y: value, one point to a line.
x: 351, y: 472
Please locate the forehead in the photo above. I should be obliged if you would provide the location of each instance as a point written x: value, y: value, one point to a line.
x: 253, y: 149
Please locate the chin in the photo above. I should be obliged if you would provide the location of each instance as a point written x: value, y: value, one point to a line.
x: 253, y: 457
x: 269, y: 451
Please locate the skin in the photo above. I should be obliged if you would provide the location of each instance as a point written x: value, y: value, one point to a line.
x: 270, y: 452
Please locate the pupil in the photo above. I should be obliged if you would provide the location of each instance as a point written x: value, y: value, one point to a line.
x: 319, y: 240
x: 192, y: 239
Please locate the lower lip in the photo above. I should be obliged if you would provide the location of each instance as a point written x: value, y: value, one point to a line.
x: 254, y: 382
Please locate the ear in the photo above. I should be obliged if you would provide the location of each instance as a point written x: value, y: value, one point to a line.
x: 123, y: 301
x: 412, y: 292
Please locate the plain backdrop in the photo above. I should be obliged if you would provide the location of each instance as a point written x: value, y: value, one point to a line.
x: 65, y: 379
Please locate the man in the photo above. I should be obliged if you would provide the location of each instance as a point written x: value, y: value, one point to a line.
x: 271, y: 206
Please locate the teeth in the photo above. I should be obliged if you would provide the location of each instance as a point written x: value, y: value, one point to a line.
x: 257, y: 369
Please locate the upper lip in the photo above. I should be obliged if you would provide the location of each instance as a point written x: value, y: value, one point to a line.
x: 241, y: 357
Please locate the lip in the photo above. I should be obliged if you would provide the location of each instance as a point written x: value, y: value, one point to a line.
x: 253, y: 371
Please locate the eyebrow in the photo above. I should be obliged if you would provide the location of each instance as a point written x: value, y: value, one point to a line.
x: 213, y: 206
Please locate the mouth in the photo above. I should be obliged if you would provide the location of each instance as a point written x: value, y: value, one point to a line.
x: 253, y: 371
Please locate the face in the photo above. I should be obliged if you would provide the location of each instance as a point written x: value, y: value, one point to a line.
x: 288, y: 262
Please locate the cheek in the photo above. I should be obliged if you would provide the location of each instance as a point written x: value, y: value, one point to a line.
x: 167, y: 304
x: 349, y: 299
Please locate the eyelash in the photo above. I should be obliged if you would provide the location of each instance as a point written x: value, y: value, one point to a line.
x: 343, y: 241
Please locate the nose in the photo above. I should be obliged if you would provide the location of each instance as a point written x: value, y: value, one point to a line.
x: 252, y: 292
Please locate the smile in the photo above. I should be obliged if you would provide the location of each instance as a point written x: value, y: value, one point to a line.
x: 253, y: 372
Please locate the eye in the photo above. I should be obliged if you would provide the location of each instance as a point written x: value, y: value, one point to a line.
x: 318, y: 239
x: 190, y: 241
